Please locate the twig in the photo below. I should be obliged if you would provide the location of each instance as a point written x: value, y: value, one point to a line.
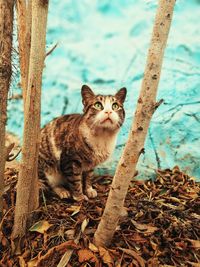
x: 15, y: 97
x: 154, y: 149
x: 66, y: 257
x: 4, y: 217
x: 51, y: 50
x: 11, y: 156
x: 157, y: 104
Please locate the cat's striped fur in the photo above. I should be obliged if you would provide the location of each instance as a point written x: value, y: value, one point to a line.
x: 73, y: 145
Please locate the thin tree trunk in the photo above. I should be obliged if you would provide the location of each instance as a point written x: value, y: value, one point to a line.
x: 27, y: 187
x: 24, y: 19
x: 144, y: 111
x: 6, y: 29
x: 28, y: 43
x: 21, y: 30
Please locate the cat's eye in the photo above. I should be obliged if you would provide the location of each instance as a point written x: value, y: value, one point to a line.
x: 115, y: 106
x: 98, y: 105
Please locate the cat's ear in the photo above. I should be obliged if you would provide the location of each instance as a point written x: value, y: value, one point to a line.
x: 87, y: 94
x: 121, y: 95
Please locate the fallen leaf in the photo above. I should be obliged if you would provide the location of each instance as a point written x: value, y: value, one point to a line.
x: 22, y: 262
x: 33, y: 262
x: 135, y: 255
x: 137, y: 238
x: 70, y: 233
x: 65, y: 258
x: 4, y: 241
x: 144, y: 228
x: 84, y: 225
x: 64, y: 261
x: 40, y: 227
x: 59, y: 249
x: 73, y: 209
x: 76, y: 211
x: 153, y: 245
x: 93, y: 248
x: 195, y: 243
x: 105, y: 256
x: 193, y: 264
x: 85, y: 255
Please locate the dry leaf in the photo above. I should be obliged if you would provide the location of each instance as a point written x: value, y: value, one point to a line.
x: 154, y: 245
x: 193, y: 264
x: 86, y: 255
x: 67, y: 255
x: 65, y: 258
x: 137, y: 238
x: 59, y: 249
x: 22, y: 262
x: 84, y: 225
x: 70, y: 233
x: 40, y: 227
x: 73, y: 209
x: 135, y: 255
x: 144, y: 228
x: 105, y: 256
x: 93, y: 247
x: 76, y: 211
x: 195, y: 243
x: 33, y: 262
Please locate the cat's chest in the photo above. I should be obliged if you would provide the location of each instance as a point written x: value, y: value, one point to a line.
x: 103, y: 147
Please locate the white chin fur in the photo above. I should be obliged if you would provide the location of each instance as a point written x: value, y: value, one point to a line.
x: 106, y: 125
x: 102, y: 122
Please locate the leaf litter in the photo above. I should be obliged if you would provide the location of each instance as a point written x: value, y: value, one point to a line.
x: 162, y: 227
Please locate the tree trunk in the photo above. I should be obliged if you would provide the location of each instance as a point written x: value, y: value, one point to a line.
x: 27, y: 187
x: 24, y: 19
x: 6, y: 28
x: 28, y: 44
x: 21, y: 31
x: 144, y: 111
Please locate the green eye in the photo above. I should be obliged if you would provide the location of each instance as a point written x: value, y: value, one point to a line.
x: 115, y: 106
x: 98, y: 105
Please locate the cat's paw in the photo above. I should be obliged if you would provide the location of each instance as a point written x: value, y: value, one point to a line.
x: 62, y: 192
x: 91, y: 192
x: 80, y: 198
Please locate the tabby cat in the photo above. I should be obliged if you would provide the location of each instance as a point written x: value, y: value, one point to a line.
x: 73, y: 145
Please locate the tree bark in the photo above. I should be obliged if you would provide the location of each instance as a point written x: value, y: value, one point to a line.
x: 28, y: 44
x: 27, y: 187
x: 24, y: 19
x: 21, y: 31
x: 146, y: 106
x: 6, y: 30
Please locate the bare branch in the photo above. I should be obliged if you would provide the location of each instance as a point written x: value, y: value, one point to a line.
x: 51, y: 50
x: 10, y: 156
x: 157, y: 104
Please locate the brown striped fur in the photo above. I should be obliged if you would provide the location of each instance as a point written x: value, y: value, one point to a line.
x: 73, y: 145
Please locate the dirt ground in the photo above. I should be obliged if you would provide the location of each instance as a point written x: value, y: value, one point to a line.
x: 162, y: 227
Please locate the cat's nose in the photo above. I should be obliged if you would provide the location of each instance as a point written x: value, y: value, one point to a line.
x: 108, y: 112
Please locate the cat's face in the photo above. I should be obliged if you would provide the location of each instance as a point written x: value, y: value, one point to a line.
x: 103, y: 111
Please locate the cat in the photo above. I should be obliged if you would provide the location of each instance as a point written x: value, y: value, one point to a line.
x: 73, y: 145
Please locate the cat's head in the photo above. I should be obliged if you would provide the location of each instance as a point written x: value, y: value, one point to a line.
x: 103, y: 111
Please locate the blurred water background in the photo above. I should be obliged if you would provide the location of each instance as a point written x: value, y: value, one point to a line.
x: 104, y: 43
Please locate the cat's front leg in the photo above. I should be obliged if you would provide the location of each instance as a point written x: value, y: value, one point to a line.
x: 77, y: 189
x: 55, y: 181
x: 88, y: 189
x: 71, y: 169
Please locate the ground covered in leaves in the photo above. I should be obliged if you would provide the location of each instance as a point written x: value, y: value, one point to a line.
x: 162, y: 227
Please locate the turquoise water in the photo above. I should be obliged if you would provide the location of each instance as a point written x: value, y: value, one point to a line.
x: 104, y: 44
